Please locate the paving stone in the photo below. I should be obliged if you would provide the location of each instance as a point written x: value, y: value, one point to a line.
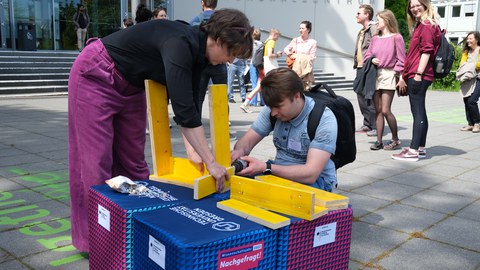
x: 20, y: 197
x: 54, y: 260
x: 426, y: 254
x: 388, y: 190
x: 13, y: 265
x: 459, y: 187
x: 438, y: 201
x: 8, y: 185
x: 370, y: 241
x: 363, y: 205
x: 350, y: 181
x: 4, y: 257
x: 457, y: 231
x: 32, y: 180
x: 14, y: 218
x: 39, y: 237
x: 403, y: 218
x: 417, y: 179
x: 470, y: 212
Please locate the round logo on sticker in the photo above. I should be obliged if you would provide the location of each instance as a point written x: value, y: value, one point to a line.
x: 226, y: 226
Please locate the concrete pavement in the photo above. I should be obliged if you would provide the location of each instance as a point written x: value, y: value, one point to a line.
x: 407, y: 215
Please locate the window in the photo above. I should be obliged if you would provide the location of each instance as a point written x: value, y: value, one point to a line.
x: 469, y: 10
x: 456, y: 11
x: 441, y: 12
x: 454, y: 40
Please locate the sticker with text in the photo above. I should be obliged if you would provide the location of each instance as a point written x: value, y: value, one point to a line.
x: 325, y: 234
x: 244, y: 257
x: 156, y: 251
x: 104, y: 217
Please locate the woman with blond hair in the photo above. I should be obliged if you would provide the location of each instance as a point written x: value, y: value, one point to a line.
x: 387, y: 50
x: 470, y: 84
x: 418, y: 72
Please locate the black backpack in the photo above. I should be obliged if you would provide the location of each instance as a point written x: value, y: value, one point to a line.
x: 346, y: 149
x: 257, y: 57
x: 444, y: 58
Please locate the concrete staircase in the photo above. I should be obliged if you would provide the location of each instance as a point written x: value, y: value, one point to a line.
x: 35, y: 72
x: 46, y: 72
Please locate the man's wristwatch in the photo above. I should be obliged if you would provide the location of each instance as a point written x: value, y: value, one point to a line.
x: 268, y: 170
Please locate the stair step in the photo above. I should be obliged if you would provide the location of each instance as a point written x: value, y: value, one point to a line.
x: 34, y: 89
x: 32, y: 76
x: 33, y: 83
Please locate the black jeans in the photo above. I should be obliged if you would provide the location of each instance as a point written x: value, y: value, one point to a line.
x: 417, y: 92
x: 471, y: 106
x: 217, y: 73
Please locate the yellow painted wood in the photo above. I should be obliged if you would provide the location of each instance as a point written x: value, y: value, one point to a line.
x: 160, y: 139
x: 323, y: 198
x: 282, y: 199
x: 255, y: 214
x: 184, y: 173
x: 206, y: 185
x: 219, y: 129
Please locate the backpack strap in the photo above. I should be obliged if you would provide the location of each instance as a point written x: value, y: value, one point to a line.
x: 313, y: 119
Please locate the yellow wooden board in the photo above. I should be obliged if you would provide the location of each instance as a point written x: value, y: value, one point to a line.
x: 281, y: 199
x: 219, y: 129
x: 255, y: 214
x: 206, y: 185
x: 160, y: 139
x: 323, y: 198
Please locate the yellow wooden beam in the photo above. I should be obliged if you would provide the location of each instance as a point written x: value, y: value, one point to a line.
x: 219, y: 129
x: 206, y: 185
x: 160, y: 139
x: 255, y: 214
x: 282, y: 199
x: 323, y: 198
x: 184, y: 173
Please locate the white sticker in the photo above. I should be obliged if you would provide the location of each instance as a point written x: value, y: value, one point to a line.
x: 104, y: 217
x: 324, y: 234
x: 156, y: 251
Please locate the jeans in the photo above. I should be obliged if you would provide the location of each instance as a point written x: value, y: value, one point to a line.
x: 254, y: 80
x: 471, y: 106
x: 417, y: 92
x: 217, y: 74
x: 236, y: 69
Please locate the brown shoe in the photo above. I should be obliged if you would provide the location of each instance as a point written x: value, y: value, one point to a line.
x: 476, y: 128
x: 467, y: 128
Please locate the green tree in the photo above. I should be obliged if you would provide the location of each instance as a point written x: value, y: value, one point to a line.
x: 399, y: 8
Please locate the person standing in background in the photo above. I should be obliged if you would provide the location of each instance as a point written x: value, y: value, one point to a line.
x: 217, y: 74
x: 254, y: 72
x: 422, y: 22
x: 236, y: 68
x: 303, y: 50
x: 387, y: 50
x: 269, y: 63
x: 81, y: 21
x: 160, y: 14
x: 364, y: 18
x: 142, y: 14
x: 467, y: 74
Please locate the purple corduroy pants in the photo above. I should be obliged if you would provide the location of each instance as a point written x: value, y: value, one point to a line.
x: 106, y: 131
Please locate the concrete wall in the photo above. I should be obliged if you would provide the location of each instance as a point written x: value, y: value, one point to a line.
x: 334, y: 24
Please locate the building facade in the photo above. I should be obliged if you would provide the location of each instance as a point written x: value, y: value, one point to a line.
x: 48, y: 24
x: 458, y: 17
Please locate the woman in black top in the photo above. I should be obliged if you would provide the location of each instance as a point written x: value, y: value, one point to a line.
x: 107, y: 105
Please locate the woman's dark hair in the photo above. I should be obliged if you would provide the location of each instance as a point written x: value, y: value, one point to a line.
x: 233, y: 29
x: 476, y: 35
x: 308, y: 25
x: 143, y: 14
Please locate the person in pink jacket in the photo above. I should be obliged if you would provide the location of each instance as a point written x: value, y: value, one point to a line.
x: 388, y: 52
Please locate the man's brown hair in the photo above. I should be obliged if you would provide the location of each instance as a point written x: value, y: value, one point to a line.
x: 279, y: 84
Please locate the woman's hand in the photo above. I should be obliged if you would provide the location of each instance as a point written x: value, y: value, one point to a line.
x: 376, y: 61
x: 219, y: 173
x: 194, y: 158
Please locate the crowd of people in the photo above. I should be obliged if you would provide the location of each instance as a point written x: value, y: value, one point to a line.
x: 107, y: 105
